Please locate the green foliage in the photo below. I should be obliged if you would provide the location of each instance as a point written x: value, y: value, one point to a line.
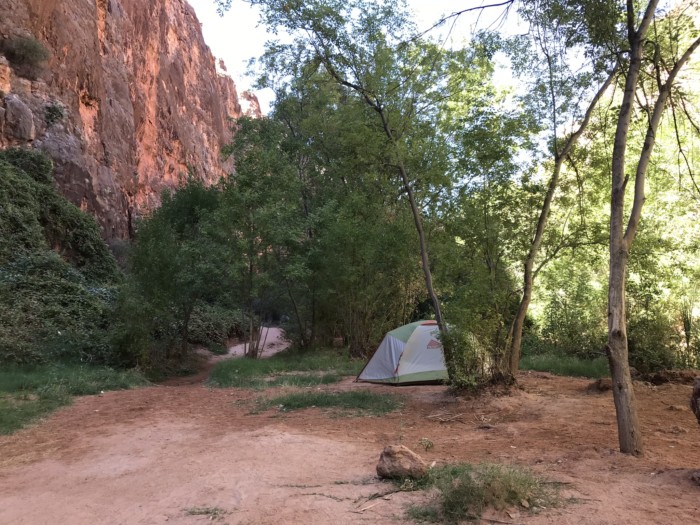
x: 25, y: 53
x: 174, y: 269
x: 28, y: 393
x: 20, y: 230
x: 653, y: 340
x: 33, y: 163
x: 213, y: 325
x: 566, y: 365
x: 53, y: 113
x: 51, y: 311
x: 57, y: 276
x: 283, y: 369
x: 356, y: 402
x: 469, y: 364
x: 465, y: 491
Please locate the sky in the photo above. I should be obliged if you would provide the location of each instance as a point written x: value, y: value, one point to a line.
x: 236, y: 37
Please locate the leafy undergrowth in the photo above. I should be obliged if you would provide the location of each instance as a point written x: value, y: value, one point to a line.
x: 566, y: 365
x: 28, y: 393
x: 464, y: 491
x: 354, y: 403
x: 313, y: 367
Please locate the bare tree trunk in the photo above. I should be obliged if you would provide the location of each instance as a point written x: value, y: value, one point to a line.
x: 300, y: 325
x: 628, y: 428
x: 425, y: 261
x: 629, y: 431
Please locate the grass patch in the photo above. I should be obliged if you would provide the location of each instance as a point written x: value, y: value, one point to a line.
x: 213, y: 513
x: 302, y: 380
x: 255, y: 373
x: 464, y: 491
x: 566, y: 365
x: 357, y: 402
x: 28, y: 393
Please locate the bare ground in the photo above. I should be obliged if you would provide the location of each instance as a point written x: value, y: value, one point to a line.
x: 164, y: 453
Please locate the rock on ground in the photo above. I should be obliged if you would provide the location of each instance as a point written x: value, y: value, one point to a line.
x: 695, y: 399
x: 399, y: 462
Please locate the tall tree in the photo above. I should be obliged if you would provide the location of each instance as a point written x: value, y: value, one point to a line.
x: 643, y: 56
x: 361, y: 45
x: 558, y: 34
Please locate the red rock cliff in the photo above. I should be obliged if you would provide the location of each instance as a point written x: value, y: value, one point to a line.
x: 142, y: 101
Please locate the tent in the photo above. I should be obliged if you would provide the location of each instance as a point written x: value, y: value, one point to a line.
x: 409, y: 354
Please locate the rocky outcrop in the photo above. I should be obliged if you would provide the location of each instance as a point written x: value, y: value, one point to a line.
x: 129, y: 103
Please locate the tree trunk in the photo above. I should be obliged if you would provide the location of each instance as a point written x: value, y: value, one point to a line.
x: 628, y: 428
x: 300, y: 324
x: 425, y: 261
x: 629, y: 432
x: 516, y: 331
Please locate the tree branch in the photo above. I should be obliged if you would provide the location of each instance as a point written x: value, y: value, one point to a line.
x: 649, y: 141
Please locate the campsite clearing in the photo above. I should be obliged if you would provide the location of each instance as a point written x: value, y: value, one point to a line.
x: 152, y: 455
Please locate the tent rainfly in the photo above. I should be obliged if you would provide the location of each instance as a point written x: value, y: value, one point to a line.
x: 409, y: 354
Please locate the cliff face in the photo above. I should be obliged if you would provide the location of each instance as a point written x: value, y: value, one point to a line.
x: 128, y: 103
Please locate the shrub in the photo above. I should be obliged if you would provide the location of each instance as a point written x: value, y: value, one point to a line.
x: 464, y: 491
x: 50, y: 311
x: 213, y: 325
x: 652, y: 342
x: 53, y: 113
x: 56, y: 274
x: 33, y: 163
x: 26, y: 54
x: 469, y: 364
x: 20, y: 231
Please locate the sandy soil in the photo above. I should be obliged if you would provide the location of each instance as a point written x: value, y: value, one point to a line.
x: 154, y: 455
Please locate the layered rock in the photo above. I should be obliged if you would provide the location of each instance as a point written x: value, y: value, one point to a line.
x: 129, y: 103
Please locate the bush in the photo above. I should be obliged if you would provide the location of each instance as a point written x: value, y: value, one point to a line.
x: 464, y: 491
x: 212, y: 325
x: 469, y: 364
x: 20, y: 231
x: 26, y: 54
x: 652, y: 342
x: 50, y: 311
x: 53, y: 113
x: 56, y: 274
x: 38, y: 166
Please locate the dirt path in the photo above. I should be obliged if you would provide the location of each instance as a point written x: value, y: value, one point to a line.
x: 155, y: 455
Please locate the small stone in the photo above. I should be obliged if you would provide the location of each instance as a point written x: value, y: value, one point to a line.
x: 695, y: 476
x: 601, y: 385
x: 525, y: 503
x: 399, y: 462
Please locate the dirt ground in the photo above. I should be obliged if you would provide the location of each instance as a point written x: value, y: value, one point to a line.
x: 165, y: 453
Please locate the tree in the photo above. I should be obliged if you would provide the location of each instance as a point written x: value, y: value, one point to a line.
x: 557, y: 91
x: 260, y: 223
x: 644, y: 56
x: 172, y: 262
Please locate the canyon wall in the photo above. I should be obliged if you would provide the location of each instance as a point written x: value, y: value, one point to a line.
x: 129, y: 102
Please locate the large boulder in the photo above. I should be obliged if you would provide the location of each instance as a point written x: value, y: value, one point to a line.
x: 399, y: 462
x: 19, y: 118
x: 695, y: 399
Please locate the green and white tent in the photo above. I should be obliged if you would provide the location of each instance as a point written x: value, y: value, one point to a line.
x: 409, y: 354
